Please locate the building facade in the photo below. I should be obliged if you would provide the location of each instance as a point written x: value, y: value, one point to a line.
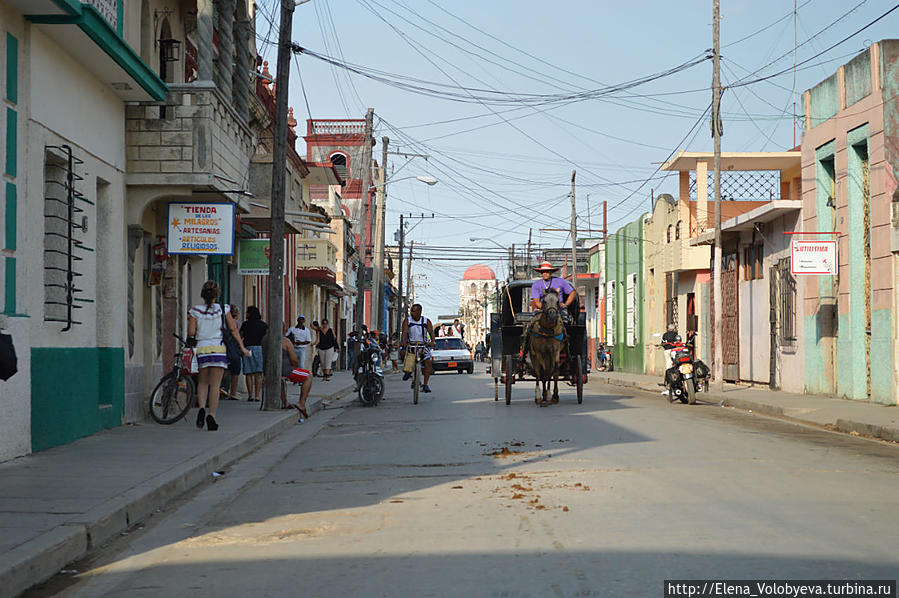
x: 850, y: 168
x: 477, y: 298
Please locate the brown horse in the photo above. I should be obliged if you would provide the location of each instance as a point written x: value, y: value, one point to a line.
x: 547, y: 335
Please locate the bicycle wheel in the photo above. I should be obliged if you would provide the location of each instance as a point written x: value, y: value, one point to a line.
x: 416, y: 385
x: 172, y: 398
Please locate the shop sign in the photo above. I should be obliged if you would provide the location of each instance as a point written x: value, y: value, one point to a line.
x: 813, y: 257
x: 200, y: 229
x: 254, y: 256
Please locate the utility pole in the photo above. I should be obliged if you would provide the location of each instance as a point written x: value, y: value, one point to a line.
x: 527, y: 258
x: 272, y: 361
x: 400, y: 311
x: 718, y: 260
x: 364, y: 249
x: 409, y: 275
x: 377, y: 285
x: 573, y: 232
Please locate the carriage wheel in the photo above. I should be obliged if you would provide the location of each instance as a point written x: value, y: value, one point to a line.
x: 579, y: 379
x: 510, y: 377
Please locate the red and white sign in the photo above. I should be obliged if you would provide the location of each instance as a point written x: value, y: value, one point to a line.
x: 813, y: 257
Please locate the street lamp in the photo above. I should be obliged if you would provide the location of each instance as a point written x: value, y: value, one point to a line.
x: 378, y: 266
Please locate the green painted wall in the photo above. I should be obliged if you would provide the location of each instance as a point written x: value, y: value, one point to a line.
x: 818, y: 333
x: 75, y: 393
x: 624, y: 256
x: 857, y: 77
x: 825, y: 100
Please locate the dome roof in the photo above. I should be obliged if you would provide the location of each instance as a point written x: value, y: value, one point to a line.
x: 479, y: 272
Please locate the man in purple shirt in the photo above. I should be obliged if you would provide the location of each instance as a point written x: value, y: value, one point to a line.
x: 567, y: 294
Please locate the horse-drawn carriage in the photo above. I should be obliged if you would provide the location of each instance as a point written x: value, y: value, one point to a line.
x: 507, y: 330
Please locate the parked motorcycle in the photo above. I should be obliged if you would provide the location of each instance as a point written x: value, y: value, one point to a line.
x: 369, y: 375
x: 685, y: 377
x: 604, y: 355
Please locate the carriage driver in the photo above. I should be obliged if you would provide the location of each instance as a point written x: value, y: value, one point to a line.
x: 567, y: 296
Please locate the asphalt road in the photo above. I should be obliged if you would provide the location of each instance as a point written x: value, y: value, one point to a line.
x: 464, y: 496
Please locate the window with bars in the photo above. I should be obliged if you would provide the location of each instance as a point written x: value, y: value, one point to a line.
x: 787, y: 301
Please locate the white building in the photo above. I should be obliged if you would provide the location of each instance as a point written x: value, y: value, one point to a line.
x: 113, y: 110
x: 477, y: 300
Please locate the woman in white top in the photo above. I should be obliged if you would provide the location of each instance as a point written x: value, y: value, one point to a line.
x: 204, y: 331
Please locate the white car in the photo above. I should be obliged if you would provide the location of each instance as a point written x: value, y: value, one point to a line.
x: 451, y: 353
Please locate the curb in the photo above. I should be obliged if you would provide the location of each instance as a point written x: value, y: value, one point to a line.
x: 42, y: 557
x: 844, y: 426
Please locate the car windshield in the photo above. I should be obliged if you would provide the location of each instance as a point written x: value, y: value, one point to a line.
x: 450, y: 343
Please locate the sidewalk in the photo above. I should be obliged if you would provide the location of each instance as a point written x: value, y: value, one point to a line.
x: 58, y: 504
x: 842, y: 415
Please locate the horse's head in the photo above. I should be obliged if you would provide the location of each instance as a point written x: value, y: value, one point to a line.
x: 550, y: 315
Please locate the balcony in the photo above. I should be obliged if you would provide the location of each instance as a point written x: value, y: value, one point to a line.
x: 193, y: 143
x: 317, y: 262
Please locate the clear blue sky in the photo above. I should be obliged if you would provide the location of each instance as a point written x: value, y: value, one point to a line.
x: 510, y: 169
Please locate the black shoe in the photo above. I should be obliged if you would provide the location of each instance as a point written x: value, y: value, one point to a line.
x: 201, y: 418
x: 210, y: 424
x: 406, y: 376
x: 425, y: 388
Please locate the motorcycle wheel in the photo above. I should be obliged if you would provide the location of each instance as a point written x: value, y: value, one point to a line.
x: 690, y: 390
x: 370, y: 391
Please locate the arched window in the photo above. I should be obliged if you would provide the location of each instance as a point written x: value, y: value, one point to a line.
x: 669, y: 234
x: 340, y: 163
x: 677, y: 230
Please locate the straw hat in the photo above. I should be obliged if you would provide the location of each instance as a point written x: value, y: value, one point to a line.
x: 545, y: 267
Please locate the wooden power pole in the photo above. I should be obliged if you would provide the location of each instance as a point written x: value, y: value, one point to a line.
x: 377, y: 285
x: 717, y: 262
x: 364, y: 249
x: 573, y: 233
x: 272, y: 360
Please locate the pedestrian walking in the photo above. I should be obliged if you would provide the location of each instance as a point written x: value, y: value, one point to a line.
x: 253, y: 330
x: 301, y: 337
x: 206, y: 326
x: 352, y: 345
x: 394, y: 352
x: 234, y: 365
x: 326, y: 345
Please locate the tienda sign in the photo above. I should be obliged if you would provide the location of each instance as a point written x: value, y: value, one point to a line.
x: 200, y: 228
x: 813, y: 257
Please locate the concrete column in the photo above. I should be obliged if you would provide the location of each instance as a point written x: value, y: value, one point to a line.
x: 205, y: 47
x: 242, y: 86
x: 225, y: 63
x: 707, y: 219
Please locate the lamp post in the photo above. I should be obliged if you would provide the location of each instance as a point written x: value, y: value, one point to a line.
x: 378, y: 264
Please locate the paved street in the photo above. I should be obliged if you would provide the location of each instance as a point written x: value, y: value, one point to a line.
x: 464, y: 496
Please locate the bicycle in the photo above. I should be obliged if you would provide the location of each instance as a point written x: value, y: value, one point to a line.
x: 174, y: 393
x: 418, y: 348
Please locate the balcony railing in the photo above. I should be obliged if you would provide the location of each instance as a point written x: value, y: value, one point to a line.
x: 194, y: 138
x: 316, y: 254
x: 336, y: 127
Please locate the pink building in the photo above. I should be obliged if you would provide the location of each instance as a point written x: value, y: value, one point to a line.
x: 850, y: 157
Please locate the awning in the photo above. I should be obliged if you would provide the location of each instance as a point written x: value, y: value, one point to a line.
x: 686, y: 161
x: 91, y: 40
x: 746, y: 221
x: 322, y: 277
